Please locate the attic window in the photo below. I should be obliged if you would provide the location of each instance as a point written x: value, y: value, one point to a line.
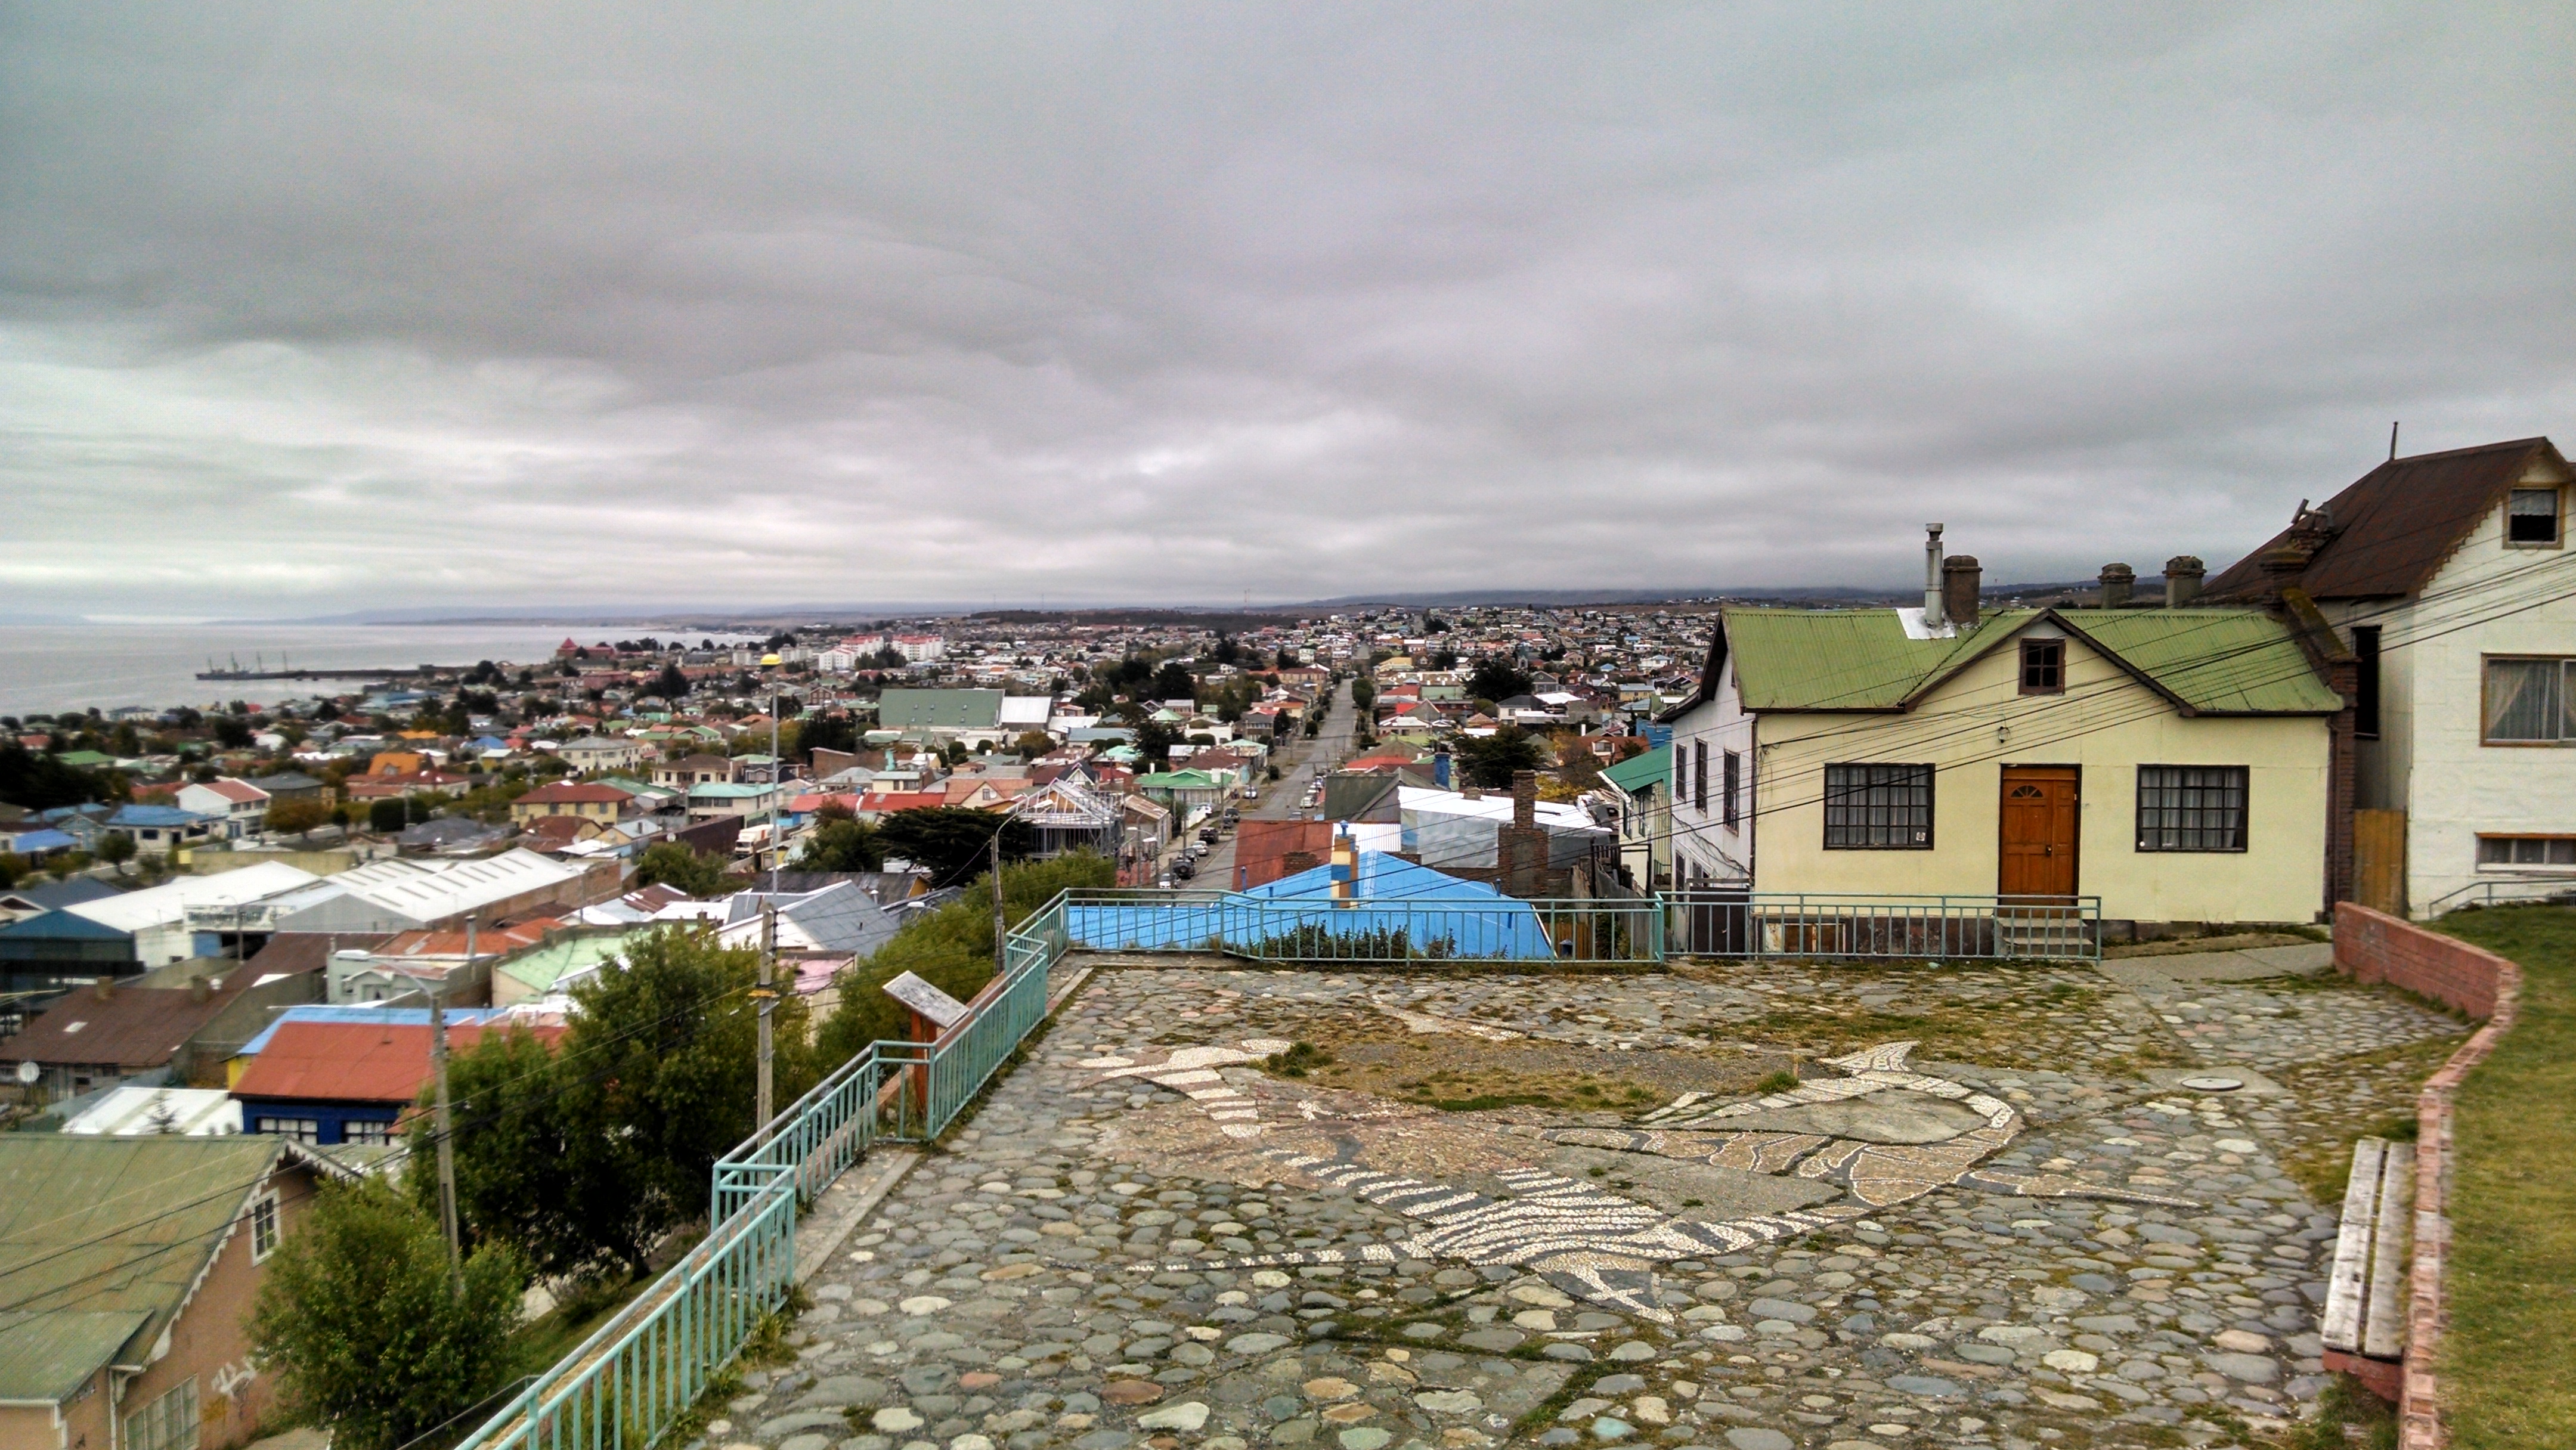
x: 2043, y: 667
x: 2531, y: 518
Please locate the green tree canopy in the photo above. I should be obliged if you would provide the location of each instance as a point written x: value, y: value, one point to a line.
x: 951, y: 842
x: 842, y: 844
x: 358, y: 1318
x: 1497, y: 678
x: 42, y: 782
x: 669, y: 863
x: 663, y: 1056
x: 1491, y: 761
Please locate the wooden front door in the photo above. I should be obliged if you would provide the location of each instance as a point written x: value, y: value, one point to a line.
x: 2039, y: 831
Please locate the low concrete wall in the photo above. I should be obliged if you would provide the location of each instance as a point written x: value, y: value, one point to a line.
x: 2372, y: 946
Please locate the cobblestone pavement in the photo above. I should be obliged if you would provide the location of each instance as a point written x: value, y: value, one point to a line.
x: 1079, y: 1264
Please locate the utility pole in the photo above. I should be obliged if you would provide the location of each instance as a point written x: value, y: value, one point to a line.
x: 446, y: 1120
x: 1001, y: 945
x: 767, y: 997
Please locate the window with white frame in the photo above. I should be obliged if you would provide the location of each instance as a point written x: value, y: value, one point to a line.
x: 2191, y: 807
x: 263, y: 1226
x: 2531, y: 518
x: 168, y: 1423
x: 361, y: 1130
x: 1878, y: 808
x: 2526, y: 851
x: 2530, y: 701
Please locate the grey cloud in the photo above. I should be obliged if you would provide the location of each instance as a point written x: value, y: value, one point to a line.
x: 332, y: 305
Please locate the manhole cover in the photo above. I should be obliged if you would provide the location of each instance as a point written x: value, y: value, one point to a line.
x: 2213, y: 1084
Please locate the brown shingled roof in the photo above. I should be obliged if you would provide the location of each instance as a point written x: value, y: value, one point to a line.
x: 2395, y: 525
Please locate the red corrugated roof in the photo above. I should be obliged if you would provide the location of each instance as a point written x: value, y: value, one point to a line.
x: 2395, y: 525
x: 357, y: 1061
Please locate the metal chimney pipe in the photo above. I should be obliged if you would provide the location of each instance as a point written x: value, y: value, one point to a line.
x: 1932, y: 616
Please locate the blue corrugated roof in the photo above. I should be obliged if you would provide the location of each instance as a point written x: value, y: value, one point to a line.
x: 62, y: 926
x: 389, y: 1016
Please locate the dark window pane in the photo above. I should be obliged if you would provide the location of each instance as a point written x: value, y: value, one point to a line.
x: 2191, y: 807
x: 1878, y: 807
x: 2532, y: 516
x: 2043, y: 666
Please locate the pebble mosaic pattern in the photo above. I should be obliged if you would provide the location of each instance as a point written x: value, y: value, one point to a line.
x: 1077, y: 1265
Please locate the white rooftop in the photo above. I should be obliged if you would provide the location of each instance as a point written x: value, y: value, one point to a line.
x: 167, y: 905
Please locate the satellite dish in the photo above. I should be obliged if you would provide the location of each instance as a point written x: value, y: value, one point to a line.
x: 28, y: 1072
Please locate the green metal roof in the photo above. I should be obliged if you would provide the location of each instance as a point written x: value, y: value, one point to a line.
x: 1639, y: 773
x: 1178, y: 780
x: 1843, y: 659
x: 100, y: 1240
x: 2219, y: 661
x: 542, y: 968
x: 2223, y: 661
x: 956, y: 709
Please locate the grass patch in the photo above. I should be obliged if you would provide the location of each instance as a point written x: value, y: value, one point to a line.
x: 2334, y: 1102
x: 1778, y: 1082
x: 2347, y: 1416
x: 2509, y: 1360
x: 1300, y: 1058
x: 546, y: 1339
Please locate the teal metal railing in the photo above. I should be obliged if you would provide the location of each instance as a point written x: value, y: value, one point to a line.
x: 640, y: 1373
x: 1384, y: 929
x: 1716, y: 922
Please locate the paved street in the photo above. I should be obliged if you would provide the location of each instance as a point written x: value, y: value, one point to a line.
x: 1565, y: 1210
x: 1302, y: 761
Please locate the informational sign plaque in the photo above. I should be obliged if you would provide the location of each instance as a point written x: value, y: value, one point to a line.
x: 943, y: 1010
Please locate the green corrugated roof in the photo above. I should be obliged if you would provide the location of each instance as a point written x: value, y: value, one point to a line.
x: 2223, y: 661
x: 48, y: 1356
x: 956, y: 709
x: 2219, y: 661
x: 98, y: 1234
x: 1842, y: 659
x: 1642, y: 772
x: 542, y: 968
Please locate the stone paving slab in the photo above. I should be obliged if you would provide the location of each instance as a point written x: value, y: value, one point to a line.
x: 2249, y: 964
x: 1149, y: 1236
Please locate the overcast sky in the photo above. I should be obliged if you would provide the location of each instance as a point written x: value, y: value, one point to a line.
x: 311, y: 308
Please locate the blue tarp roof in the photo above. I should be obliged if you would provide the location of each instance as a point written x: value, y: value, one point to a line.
x: 1438, y: 915
x: 389, y: 1016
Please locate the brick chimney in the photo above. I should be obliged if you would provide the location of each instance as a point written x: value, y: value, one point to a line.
x: 2119, y: 581
x: 1962, y: 585
x: 1525, y: 798
x: 2183, y: 573
x: 1520, y: 849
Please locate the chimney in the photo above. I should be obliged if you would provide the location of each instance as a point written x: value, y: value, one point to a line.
x: 1962, y: 585
x: 2118, y: 582
x: 1525, y: 798
x: 1440, y: 767
x: 2183, y: 574
x: 200, y: 989
x: 106, y: 988
x: 1932, y: 576
x: 1473, y: 791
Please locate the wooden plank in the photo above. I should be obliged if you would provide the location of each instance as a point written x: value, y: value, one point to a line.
x: 2345, y: 1287
x: 2383, y: 1333
x: 2379, y: 860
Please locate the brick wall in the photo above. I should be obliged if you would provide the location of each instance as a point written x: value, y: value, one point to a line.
x: 2372, y: 946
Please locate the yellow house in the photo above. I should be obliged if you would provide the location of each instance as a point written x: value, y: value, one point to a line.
x: 2176, y: 764
x: 589, y: 800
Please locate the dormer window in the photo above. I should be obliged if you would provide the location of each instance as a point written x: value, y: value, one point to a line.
x: 2531, y: 518
x: 2043, y: 666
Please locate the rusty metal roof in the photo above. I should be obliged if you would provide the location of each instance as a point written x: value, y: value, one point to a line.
x: 132, y: 1027
x: 2393, y: 527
